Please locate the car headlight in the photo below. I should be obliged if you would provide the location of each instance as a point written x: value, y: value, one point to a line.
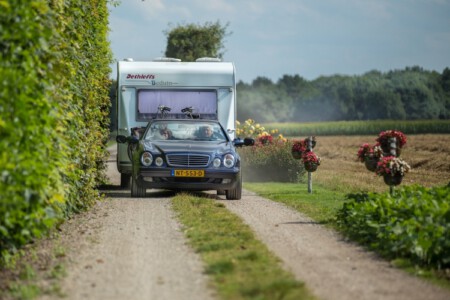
x: 216, y: 162
x: 159, y: 161
x: 228, y: 160
x: 146, y: 159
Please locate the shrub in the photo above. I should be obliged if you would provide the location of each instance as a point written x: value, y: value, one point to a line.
x: 271, y: 162
x: 412, y: 223
x: 270, y: 159
x: 54, y: 67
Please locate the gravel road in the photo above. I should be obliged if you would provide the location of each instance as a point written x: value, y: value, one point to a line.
x: 131, y: 248
x: 331, y: 267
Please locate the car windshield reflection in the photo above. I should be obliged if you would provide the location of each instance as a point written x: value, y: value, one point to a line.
x: 183, y: 130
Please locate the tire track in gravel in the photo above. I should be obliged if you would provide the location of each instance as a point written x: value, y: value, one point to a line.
x: 130, y: 248
x: 331, y: 267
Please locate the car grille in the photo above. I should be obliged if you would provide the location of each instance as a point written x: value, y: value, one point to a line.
x: 188, y: 160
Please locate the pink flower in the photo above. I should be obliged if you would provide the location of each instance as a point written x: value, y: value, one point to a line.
x: 385, y: 135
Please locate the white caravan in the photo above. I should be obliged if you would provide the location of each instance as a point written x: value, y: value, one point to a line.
x: 207, y: 87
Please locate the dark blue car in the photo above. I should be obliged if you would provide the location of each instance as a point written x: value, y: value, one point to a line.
x: 185, y: 154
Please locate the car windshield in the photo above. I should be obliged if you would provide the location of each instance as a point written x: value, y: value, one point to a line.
x: 184, y: 130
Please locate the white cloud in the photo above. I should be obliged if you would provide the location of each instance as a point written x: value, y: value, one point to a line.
x: 273, y: 38
x: 221, y: 6
x: 149, y: 8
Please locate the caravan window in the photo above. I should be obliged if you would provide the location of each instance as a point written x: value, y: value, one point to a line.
x: 203, y: 102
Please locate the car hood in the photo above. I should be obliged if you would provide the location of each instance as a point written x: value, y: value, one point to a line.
x: 189, y: 147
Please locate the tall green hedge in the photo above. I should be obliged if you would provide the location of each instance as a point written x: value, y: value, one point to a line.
x: 54, y: 69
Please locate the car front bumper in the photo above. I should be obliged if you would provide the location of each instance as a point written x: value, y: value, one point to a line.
x: 163, y: 179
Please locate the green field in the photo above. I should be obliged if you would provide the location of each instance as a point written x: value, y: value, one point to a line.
x: 360, y: 127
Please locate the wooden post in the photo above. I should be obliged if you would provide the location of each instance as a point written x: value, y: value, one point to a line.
x: 393, y: 151
x: 310, y: 148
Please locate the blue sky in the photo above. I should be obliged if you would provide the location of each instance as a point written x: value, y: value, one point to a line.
x: 310, y: 38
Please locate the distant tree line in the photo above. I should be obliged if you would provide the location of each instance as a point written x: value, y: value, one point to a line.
x: 409, y: 94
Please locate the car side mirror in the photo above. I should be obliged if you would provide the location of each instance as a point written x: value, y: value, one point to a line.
x: 249, y: 142
x: 238, y: 142
x: 121, y: 139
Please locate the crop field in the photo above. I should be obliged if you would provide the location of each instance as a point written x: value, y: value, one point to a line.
x: 427, y: 154
x: 361, y: 127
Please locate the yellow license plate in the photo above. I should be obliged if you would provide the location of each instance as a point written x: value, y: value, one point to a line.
x: 188, y: 173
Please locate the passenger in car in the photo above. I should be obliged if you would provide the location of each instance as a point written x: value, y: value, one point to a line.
x: 166, y: 134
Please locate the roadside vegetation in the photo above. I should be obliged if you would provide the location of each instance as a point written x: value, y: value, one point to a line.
x: 410, y: 227
x: 54, y: 66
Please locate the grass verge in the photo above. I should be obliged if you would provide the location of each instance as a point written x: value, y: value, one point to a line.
x: 241, y: 267
x: 322, y: 205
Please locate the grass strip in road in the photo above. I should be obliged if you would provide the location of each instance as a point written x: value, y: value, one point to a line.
x: 240, y: 266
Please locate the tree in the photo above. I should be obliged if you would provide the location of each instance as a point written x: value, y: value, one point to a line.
x: 193, y: 41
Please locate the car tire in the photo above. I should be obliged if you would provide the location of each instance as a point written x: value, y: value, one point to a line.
x: 236, y: 193
x: 125, y: 181
x: 136, y: 190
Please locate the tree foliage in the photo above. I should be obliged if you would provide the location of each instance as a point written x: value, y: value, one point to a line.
x: 409, y: 94
x: 192, y: 41
x: 54, y: 108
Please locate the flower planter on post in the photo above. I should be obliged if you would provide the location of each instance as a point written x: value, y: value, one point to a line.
x: 393, y: 179
x: 300, y: 147
x: 310, y: 160
x: 303, y: 149
x: 311, y: 167
x: 370, y: 155
x: 391, y: 141
x: 392, y: 169
x: 371, y: 163
x: 383, y: 159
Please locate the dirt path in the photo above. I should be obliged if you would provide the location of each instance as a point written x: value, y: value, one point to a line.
x: 330, y: 267
x: 131, y: 248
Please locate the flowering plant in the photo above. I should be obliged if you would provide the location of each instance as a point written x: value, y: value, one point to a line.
x: 310, y: 157
x: 391, y: 165
x: 302, y: 145
x: 265, y: 139
x: 299, y: 146
x: 250, y: 128
x: 368, y: 151
x: 384, y: 136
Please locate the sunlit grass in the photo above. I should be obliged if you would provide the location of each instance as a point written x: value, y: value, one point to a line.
x: 240, y: 266
x: 321, y: 205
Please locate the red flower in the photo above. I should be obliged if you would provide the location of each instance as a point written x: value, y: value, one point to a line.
x: 391, y: 165
x: 265, y: 139
x: 385, y: 135
x: 311, y: 157
x: 366, y: 150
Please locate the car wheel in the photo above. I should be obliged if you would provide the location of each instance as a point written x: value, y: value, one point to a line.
x: 125, y: 181
x: 136, y: 190
x: 236, y: 193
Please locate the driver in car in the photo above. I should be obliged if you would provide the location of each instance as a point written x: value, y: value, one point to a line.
x: 206, y: 132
